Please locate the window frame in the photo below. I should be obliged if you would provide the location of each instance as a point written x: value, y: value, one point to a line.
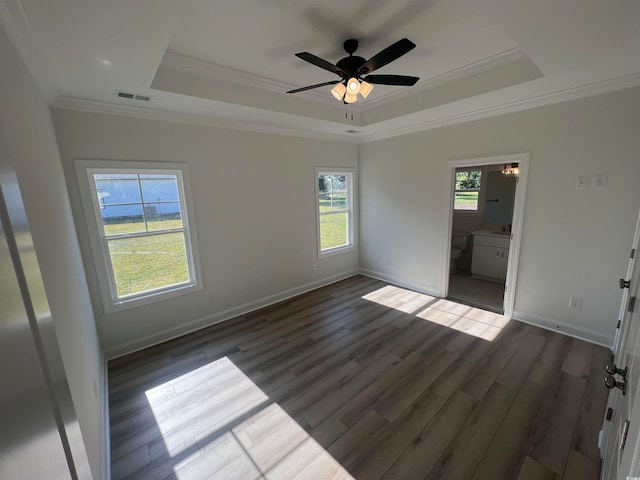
x: 98, y: 239
x: 350, y: 173
x: 479, y: 209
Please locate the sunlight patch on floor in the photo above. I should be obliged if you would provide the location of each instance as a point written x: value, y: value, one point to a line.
x: 216, y: 420
x: 469, y: 320
x: 460, y: 317
x: 399, y: 298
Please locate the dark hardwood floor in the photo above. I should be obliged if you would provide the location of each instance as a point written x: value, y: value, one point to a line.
x: 360, y: 380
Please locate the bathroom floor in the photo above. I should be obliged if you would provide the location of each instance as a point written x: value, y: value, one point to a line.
x: 476, y: 293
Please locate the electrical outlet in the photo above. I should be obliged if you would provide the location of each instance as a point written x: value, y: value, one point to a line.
x: 575, y: 303
x: 581, y: 183
x: 212, y: 297
x: 314, y: 267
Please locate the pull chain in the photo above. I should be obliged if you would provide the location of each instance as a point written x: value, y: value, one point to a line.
x: 348, y: 107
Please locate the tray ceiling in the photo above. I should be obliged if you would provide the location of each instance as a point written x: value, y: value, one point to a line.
x: 229, y: 63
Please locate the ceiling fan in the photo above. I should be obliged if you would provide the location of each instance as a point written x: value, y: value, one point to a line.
x: 352, y: 68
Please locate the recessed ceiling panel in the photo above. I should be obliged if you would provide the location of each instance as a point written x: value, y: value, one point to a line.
x: 261, y: 38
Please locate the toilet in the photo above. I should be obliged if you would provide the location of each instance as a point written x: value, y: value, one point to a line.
x: 459, y: 243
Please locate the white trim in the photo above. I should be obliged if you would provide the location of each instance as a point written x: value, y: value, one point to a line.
x: 612, y: 85
x: 401, y: 282
x: 146, y: 341
x: 85, y: 169
x: 352, y: 217
x: 622, y: 314
x: 237, y: 77
x: 94, y: 106
x: 145, y: 113
x: 218, y: 72
x: 106, y: 421
x: 460, y: 73
x: 522, y: 159
x: 586, y: 334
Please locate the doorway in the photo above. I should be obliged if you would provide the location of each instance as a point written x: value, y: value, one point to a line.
x: 484, y: 223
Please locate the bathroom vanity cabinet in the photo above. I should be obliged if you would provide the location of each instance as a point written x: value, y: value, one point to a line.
x: 490, y: 255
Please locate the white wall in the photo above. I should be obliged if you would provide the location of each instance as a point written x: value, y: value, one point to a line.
x: 255, y: 214
x: 34, y: 153
x: 575, y: 242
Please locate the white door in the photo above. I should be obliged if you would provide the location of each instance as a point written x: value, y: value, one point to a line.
x: 620, y: 434
x: 629, y: 456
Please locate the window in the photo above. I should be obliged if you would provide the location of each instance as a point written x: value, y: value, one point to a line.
x: 335, y: 210
x: 141, y: 237
x: 467, y: 190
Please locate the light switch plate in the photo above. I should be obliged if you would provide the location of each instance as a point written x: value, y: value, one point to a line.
x: 599, y: 181
x: 581, y: 183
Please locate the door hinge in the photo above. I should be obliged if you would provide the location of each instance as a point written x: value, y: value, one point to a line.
x: 633, y: 252
x: 609, y: 413
x: 632, y: 304
x: 624, y: 433
x: 619, y: 323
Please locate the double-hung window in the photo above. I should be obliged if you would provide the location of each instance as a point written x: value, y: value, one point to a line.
x: 467, y: 190
x: 334, y: 196
x: 141, y: 230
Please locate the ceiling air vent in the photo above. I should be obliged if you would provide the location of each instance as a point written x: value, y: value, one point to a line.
x: 132, y: 96
x: 352, y: 131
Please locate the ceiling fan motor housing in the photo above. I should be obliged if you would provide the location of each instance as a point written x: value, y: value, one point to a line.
x: 355, y: 67
x: 350, y: 66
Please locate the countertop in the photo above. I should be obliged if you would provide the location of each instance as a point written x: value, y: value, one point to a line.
x: 489, y: 233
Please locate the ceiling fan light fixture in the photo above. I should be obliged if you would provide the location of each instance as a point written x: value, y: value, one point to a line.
x: 511, y: 170
x: 365, y: 89
x: 338, y: 91
x: 353, y: 86
x: 350, y: 98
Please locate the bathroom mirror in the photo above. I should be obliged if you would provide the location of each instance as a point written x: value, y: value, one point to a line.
x: 501, y: 191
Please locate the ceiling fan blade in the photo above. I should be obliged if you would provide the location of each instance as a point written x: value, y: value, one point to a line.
x: 388, y: 55
x: 319, y: 62
x: 402, y: 80
x: 311, y: 87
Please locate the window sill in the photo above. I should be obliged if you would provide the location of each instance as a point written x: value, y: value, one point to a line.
x: 467, y: 213
x: 151, y: 297
x: 335, y: 251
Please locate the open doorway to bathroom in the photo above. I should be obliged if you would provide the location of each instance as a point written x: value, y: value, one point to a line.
x: 485, y: 222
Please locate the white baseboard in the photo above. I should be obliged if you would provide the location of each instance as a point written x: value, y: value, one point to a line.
x: 106, y: 430
x: 200, y: 323
x: 588, y: 335
x: 585, y: 334
x: 426, y: 289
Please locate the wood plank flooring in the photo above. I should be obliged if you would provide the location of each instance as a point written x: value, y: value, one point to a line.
x: 360, y: 380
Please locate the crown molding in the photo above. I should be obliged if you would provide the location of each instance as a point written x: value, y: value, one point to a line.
x: 218, y: 72
x: 15, y: 23
x: 77, y: 104
x: 620, y: 83
x: 92, y: 106
x: 474, y: 68
x: 193, y: 65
